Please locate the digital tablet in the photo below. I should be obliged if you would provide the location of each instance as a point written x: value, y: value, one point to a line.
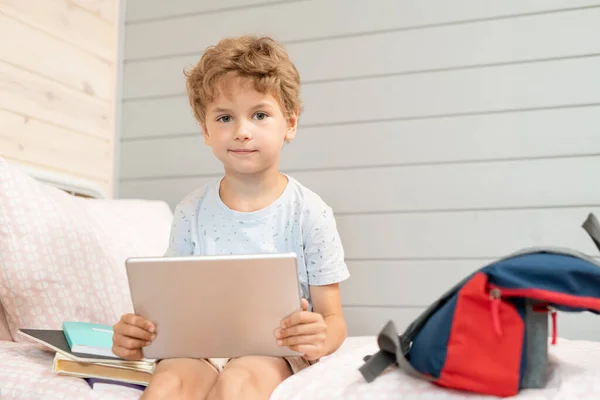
x: 215, y: 306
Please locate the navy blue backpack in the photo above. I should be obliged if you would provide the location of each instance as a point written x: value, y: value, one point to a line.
x: 489, y: 334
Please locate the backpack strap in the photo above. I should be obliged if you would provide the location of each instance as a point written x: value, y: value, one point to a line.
x: 375, y: 365
x: 592, y: 227
x: 393, y: 350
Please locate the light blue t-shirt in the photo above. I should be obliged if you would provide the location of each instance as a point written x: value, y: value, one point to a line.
x: 298, y: 221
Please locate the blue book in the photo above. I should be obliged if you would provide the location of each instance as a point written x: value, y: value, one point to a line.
x: 89, y: 338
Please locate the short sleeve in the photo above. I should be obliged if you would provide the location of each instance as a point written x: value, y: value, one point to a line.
x: 180, y: 242
x: 323, y: 250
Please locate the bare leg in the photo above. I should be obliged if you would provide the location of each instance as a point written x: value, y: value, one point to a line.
x: 181, y: 378
x: 250, y: 378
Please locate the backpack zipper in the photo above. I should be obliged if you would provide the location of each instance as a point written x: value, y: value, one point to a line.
x: 496, y: 299
x: 552, y: 311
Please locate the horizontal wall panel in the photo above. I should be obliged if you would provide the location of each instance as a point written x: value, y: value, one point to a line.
x: 71, y: 24
x: 105, y: 9
x: 326, y: 18
x: 35, y: 142
x: 443, y: 234
x: 456, y: 46
x: 39, y: 98
x: 393, y: 283
x: 138, y: 10
x: 544, y: 133
x: 507, y: 184
x: 578, y: 326
x: 511, y: 87
x: 499, y: 41
x: 157, y: 117
x: 368, y: 321
x: 55, y: 59
x: 156, y: 77
x: 510, y: 184
x: 463, y: 234
x: 168, y: 157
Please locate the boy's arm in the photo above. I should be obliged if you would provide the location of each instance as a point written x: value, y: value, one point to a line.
x: 319, y: 332
x: 327, y: 302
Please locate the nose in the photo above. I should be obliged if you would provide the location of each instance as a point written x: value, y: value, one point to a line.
x: 242, y: 132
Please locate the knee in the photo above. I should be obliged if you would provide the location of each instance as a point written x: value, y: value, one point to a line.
x: 232, y: 383
x: 163, y: 384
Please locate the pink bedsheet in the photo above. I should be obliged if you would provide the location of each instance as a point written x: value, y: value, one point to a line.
x: 26, y: 374
x: 575, y: 374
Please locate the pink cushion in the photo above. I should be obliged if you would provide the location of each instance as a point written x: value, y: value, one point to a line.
x: 62, y: 257
x: 4, y: 331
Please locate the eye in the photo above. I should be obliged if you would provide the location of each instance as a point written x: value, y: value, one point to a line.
x: 224, y: 118
x: 260, y: 116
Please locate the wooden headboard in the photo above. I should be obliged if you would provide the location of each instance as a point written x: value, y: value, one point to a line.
x: 74, y: 186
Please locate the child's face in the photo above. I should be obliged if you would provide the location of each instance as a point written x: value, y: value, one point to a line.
x: 246, y: 129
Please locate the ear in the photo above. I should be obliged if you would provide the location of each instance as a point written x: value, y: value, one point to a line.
x: 292, y: 126
x: 205, y: 133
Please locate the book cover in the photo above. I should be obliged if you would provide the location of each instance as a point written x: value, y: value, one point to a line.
x: 55, y: 340
x: 89, y: 338
x: 137, y: 375
x: 98, y: 382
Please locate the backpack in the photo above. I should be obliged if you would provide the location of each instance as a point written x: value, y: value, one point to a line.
x: 489, y: 333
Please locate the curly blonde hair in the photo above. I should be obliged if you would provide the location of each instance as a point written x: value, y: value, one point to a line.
x: 259, y: 59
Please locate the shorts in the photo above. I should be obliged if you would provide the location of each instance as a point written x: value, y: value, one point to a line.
x: 296, y: 364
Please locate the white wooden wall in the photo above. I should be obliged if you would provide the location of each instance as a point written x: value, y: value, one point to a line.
x: 444, y: 134
x: 57, y: 81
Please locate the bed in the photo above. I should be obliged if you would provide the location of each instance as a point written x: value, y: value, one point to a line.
x: 49, y: 220
x: 25, y: 373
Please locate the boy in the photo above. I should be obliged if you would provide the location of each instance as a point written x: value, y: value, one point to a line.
x: 244, y: 92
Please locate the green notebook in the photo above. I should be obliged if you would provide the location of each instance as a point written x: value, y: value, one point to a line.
x: 88, y: 338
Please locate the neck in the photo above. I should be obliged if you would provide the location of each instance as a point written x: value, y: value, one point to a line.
x: 251, y: 192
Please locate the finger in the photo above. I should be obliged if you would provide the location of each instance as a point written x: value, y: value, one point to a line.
x: 140, y: 322
x: 300, y: 317
x: 127, y: 354
x: 302, y: 329
x: 302, y: 340
x: 133, y: 332
x: 311, y: 352
x: 303, y: 307
x: 129, y: 343
x: 304, y: 304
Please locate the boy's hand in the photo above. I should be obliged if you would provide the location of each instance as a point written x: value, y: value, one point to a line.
x: 303, y: 331
x: 132, y: 333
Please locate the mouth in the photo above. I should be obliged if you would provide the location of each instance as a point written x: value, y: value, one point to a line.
x: 242, y: 151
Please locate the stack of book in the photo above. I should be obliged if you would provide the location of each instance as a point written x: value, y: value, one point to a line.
x: 84, y: 350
